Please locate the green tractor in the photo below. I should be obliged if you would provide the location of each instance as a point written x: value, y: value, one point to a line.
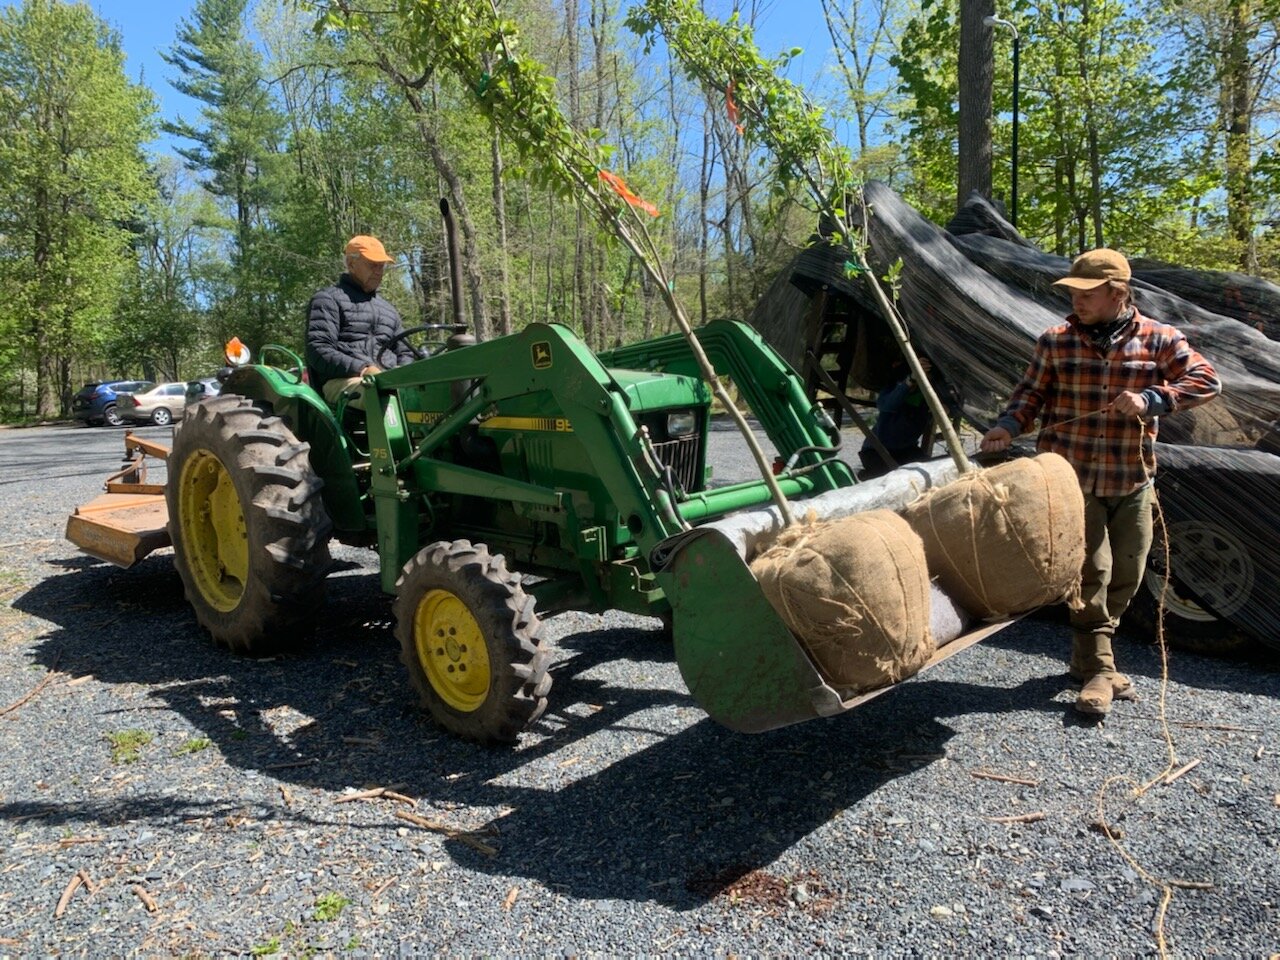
x: 499, y: 482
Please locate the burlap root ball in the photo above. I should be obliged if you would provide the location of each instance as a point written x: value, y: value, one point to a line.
x: 855, y: 592
x: 1008, y: 539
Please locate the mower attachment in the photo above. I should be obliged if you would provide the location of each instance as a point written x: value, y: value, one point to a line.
x: 131, y: 519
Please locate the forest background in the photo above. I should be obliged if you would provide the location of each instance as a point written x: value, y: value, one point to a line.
x: 134, y: 245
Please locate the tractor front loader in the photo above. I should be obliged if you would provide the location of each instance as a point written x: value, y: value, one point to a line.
x: 499, y: 482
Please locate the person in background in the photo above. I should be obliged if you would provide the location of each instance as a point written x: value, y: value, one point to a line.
x: 902, y: 419
x: 349, y: 325
x: 1098, y: 383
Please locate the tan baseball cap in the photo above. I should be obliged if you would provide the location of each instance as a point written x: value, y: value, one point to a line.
x: 370, y: 248
x: 1093, y: 268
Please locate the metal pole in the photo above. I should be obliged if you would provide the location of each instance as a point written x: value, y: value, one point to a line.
x: 1013, y: 192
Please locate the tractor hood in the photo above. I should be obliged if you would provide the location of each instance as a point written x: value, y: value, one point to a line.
x: 656, y: 391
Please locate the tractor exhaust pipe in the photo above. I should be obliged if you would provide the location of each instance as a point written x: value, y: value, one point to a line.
x: 455, y: 264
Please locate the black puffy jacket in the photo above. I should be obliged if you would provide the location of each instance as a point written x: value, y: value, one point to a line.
x: 347, y: 329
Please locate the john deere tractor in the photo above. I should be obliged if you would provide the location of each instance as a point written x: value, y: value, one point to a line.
x: 499, y: 482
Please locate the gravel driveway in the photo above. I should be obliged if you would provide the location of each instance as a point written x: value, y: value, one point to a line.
x: 200, y: 796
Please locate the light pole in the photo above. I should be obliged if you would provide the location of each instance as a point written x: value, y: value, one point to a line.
x: 1013, y: 200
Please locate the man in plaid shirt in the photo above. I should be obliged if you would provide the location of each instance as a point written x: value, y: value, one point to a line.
x: 1099, y: 382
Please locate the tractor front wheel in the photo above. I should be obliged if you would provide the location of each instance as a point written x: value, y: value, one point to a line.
x: 471, y: 642
x: 250, y: 532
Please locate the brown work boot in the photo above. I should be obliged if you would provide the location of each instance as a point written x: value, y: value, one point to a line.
x: 1121, y: 686
x: 1091, y: 656
x: 1095, y: 697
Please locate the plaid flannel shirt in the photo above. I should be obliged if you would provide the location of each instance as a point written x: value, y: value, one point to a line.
x: 1070, y: 378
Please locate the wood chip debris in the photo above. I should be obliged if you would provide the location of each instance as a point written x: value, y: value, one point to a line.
x: 1003, y: 778
x: 1181, y: 771
x: 382, y: 888
x: 453, y: 833
x: 510, y: 900
x: 72, y: 841
x: 1021, y: 818
x: 72, y: 885
x: 148, y: 901
x: 1190, y: 884
x: 291, y: 764
x: 31, y: 694
x: 376, y: 793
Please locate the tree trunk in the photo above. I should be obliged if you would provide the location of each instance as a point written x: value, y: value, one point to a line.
x: 975, y: 74
x: 1238, y: 98
x: 1091, y: 137
x: 500, y: 222
x: 704, y: 187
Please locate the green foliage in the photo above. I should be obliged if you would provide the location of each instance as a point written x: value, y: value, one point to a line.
x: 74, y: 179
x: 267, y: 948
x: 193, y: 745
x: 329, y: 907
x: 126, y: 745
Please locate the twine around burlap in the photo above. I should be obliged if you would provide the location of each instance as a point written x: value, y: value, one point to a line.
x: 1006, y: 539
x: 855, y: 593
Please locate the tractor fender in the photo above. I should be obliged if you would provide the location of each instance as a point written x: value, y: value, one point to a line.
x: 305, y: 412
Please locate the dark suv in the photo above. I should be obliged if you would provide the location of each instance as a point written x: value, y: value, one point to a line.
x: 95, y: 404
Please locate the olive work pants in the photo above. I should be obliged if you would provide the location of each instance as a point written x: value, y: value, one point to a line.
x: 333, y: 389
x: 1117, y: 539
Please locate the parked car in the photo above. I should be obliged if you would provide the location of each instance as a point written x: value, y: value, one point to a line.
x: 160, y: 405
x: 97, y: 403
x: 203, y: 388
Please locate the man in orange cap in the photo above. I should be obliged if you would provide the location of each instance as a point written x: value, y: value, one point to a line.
x: 1098, y: 383
x: 349, y: 325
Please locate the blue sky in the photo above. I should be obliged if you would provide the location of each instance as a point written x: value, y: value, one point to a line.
x: 150, y: 26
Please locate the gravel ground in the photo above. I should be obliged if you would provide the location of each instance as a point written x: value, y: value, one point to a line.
x: 201, y: 794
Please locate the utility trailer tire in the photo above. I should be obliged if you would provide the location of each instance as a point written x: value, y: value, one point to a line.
x: 471, y: 642
x: 250, y: 532
x: 1213, y: 564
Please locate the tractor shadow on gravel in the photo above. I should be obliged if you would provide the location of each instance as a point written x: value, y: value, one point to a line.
x: 624, y: 791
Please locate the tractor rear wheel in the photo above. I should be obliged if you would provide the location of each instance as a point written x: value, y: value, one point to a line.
x: 471, y: 642
x: 250, y: 532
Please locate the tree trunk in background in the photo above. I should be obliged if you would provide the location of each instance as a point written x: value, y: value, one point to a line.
x: 579, y: 293
x: 704, y: 187
x: 1091, y: 137
x: 500, y: 221
x: 1237, y: 96
x: 976, y: 75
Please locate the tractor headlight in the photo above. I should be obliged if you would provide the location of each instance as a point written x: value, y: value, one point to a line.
x: 681, y: 424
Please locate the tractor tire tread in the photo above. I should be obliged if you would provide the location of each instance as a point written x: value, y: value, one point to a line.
x: 288, y: 535
x: 520, y: 683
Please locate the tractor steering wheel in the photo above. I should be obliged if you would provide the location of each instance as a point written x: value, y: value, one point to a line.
x: 429, y: 348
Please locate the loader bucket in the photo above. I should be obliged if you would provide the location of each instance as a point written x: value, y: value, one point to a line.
x: 738, y: 659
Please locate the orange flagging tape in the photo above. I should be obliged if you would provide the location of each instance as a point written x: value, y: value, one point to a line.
x: 732, y: 107
x: 621, y: 189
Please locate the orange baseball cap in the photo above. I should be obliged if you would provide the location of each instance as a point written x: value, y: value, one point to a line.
x: 1093, y: 268
x: 370, y: 248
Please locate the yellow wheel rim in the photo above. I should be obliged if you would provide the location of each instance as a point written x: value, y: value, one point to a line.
x: 451, y: 650
x: 213, y: 532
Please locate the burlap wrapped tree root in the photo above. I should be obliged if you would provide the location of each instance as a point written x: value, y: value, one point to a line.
x: 1008, y: 539
x: 855, y: 592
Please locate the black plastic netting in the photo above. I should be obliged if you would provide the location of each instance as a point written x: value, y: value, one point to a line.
x: 976, y: 303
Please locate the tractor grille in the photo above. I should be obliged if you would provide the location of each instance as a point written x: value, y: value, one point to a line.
x: 682, y: 457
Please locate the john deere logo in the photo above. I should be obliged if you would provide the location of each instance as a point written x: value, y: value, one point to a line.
x: 541, y: 355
